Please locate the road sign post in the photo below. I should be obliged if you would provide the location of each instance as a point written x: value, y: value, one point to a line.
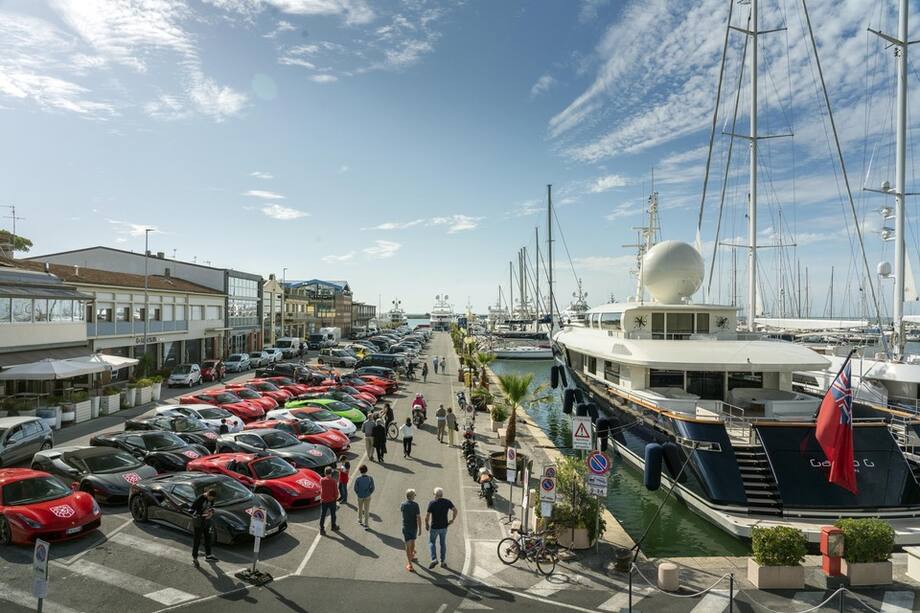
x: 40, y: 572
x: 511, y: 464
x: 257, y: 519
x: 547, y: 495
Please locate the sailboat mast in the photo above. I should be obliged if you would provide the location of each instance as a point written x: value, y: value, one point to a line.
x: 510, y: 289
x: 752, y: 204
x: 536, y: 268
x: 900, y: 264
x: 549, y: 253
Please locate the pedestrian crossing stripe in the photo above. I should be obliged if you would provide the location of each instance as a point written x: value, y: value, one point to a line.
x: 472, y: 605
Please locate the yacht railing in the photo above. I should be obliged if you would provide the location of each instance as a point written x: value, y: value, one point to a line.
x: 738, y: 426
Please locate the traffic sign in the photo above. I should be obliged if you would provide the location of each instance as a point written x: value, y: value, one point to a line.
x: 511, y: 458
x: 257, y: 523
x: 581, y: 433
x: 40, y: 568
x: 547, y: 489
x: 598, y: 463
x: 549, y: 471
x: 597, y: 485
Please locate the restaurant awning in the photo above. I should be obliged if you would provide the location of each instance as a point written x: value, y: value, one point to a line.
x: 108, y: 362
x: 13, y: 358
x: 49, y: 370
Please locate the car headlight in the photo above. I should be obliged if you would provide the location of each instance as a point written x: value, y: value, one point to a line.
x: 27, y: 521
x: 287, y: 489
x: 234, y: 522
x: 96, y: 509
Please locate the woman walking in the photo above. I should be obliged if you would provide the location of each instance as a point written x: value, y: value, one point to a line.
x: 406, y: 432
x: 380, y: 440
x: 425, y: 372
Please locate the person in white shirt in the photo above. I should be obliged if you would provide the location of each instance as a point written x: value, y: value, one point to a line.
x: 407, y: 432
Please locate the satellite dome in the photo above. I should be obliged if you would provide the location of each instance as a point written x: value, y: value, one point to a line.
x: 672, y: 270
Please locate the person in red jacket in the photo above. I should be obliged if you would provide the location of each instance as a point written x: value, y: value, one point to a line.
x: 328, y: 494
x: 343, y: 482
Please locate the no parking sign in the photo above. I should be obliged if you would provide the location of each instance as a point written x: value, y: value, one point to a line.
x: 548, y: 489
x: 40, y: 569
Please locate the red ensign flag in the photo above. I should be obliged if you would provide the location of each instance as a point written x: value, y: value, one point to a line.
x: 834, y: 430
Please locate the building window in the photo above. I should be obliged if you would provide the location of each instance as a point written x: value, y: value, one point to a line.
x: 706, y: 385
x: 213, y: 312
x: 666, y: 378
x: 167, y: 312
x: 658, y: 325
x: 745, y: 379
x: 592, y: 365
x: 612, y: 371
x: 22, y: 310
x: 79, y: 310
x: 104, y: 313
x: 122, y: 313
x: 180, y: 312
x: 5, y: 310
x: 40, y: 310
x: 702, y: 323
x: 196, y: 312
x: 156, y: 314
x: 680, y: 325
x: 139, y: 313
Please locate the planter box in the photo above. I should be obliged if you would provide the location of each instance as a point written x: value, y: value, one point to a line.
x: 27, y: 412
x: 157, y: 389
x: 94, y: 407
x: 68, y: 414
x: 127, y: 398
x: 109, y: 404
x: 776, y: 577
x: 564, y: 538
x: 868, y: 573
x: 83, y: 410
x: 144, y: 394
x: 497, y: 425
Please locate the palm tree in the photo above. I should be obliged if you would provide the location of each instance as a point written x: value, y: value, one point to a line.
x: 516, y: 389
x: 482, y: 359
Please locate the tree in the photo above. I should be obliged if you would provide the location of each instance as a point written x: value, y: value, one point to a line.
x: 516, y: 389
x: 482, y: 359
x: 12, y: 244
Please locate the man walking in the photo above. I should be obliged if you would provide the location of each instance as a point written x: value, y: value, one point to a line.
x: 411, y: 526
x: 425, y: 372
x: 441, y: 416
x: 368, y: 429
x: 451, y: 420
x: 436, y: 523
x: 364, y: 487
x: 328, y: 494
x: 443, y: 365
x: 435, y: 364
x: 380, y: 440
x: 202, y: 511
x: 406, y: 432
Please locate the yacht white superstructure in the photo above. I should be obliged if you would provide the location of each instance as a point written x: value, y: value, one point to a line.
x: 442, y: 313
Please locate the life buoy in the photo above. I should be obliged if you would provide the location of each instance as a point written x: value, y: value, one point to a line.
x: 653, y: 457
x: 568, y: 400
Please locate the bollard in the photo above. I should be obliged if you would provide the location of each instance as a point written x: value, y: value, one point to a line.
x: 731, y: 593
x: 668, y: 577
x: 840, y: 600
x: 630, y: 589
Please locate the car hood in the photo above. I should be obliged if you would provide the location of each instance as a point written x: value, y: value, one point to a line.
x: 316, y: 455
x: 61, y: 513
x: 121, y: 482
x: 352, y: 415
x: 330, y: 438
x: 305, y: 481
x: 238, y: 515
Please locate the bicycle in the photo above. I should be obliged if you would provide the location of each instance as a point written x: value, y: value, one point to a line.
x: 392, y: 431
x: 531, y: 546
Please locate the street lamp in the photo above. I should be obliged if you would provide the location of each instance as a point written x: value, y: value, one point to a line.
x: 283, y: 277
x: 146, y: 297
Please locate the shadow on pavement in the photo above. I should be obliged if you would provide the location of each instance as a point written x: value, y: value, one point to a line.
x: 350, y: 543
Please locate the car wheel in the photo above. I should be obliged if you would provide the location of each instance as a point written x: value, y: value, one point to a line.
x: 6, y: 534
x: 139, y: 508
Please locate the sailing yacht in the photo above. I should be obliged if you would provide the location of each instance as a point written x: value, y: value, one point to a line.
x: 442, y: 313
x: 714, y: 410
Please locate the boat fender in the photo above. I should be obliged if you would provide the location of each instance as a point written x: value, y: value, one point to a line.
x: 593, y: 412
x: 563, y: 377
x: 568, y: 400
x: 604, y: 426
x: 554, y: 377
x: 653, y: 457
x: 673, y: 461
x: 581, y: 409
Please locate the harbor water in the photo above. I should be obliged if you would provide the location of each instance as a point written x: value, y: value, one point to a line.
x: 677, y: 532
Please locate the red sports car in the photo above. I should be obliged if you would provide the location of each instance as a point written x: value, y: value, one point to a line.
x: 348, y: 389
x: 246, y: 410
x: 34, y: 504
x: 286, y: 383
x: 291, y: 487
x: 308, y: 431
x: 247, y: 393
x: 363, y: 385
x: 270, y: 390
x: 389, y: 385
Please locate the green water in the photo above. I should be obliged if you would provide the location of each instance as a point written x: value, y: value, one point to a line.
x: 677, y: 532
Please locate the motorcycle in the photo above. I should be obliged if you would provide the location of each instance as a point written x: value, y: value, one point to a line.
x: 473, y: 464
x: 487, y: 491
x: 418, y: 415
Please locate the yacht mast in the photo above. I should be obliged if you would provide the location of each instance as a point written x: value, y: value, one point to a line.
x: 752, y: 204
x: 536, y: 272
x: 549, y: 253
x: 900, y: 265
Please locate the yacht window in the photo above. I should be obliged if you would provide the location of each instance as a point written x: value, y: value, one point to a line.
x: 745, y: 379
x: 680, y: 325
x: 666, y: 378
x: 657, y: 325
x: 612, y: 371
x: 804, y: 379
x: 592, y: 365
x: 706, y: 385
x: 702, y: 323
x: 596, y: 320
x: 576, y: 360
x: 611, y: 321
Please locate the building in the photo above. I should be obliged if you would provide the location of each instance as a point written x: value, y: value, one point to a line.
x: 272, y: 298
x: 185, y: 324
x: 40, y: 315
x: 242, y: 291
x: 314, y: 304
x: 362, y: 314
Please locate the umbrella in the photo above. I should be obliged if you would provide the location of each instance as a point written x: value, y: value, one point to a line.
x: 49, y: 370
x: 108, y: 362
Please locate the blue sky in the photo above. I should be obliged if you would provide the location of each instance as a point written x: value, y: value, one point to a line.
x: 405, y: 146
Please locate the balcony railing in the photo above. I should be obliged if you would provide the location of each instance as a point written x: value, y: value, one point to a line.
x: 128, y: 328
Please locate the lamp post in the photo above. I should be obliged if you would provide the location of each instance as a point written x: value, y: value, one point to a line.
x: 283, y: 277
x: 146, y: 297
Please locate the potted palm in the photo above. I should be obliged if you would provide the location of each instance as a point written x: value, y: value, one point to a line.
x: 157, y: 386
x: 777, y: 561
x: 482, y: 359
x: 578, y: 518
x: 867, y: 546
x: 144, y: 391
x: 110, y: 400
x: 498, y: 414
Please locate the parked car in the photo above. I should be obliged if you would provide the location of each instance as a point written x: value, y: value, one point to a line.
x: 336, y: 394
x: 23, y: 437
x: 289, y: 346
x: 298, y: 373
x: 393, y: 361
x: 168, y: 498
x: 104, y: 473
x: 286, y: 384
x: 275, y: 442
x: 238, y: 362
x: 307, y: 431
x: 269, y: 390
x: 213, y: 370
x: 356, y: 351
x: 325, y: 418
x: 291, y: 487
x: 189, y: 429
x: 342, y: 409
x: 274, y: 355
x: 244, y: 409
x: 258, y: 359
x: 165, y: 451
x: 377, y: 371
x: 247, y: 393
x: 35, y: 504
x: 184, y: 374
x: 336, y: 357
x: 220, y: 419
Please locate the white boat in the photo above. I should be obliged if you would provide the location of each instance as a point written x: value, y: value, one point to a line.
x: 442, y: 313
x: 523, y: 352
x: 396, y: 316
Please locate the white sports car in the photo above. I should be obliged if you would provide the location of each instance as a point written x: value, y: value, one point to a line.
x: 217, y: 417
x: 325, y: 418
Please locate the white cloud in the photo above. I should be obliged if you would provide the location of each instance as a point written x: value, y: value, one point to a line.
x: 527, y: 208
x: 281, y: 27
x: 607, y: 183
x: 625, y: 209
x: 258, y: 174
x: 456, y: 223
x: 127, y: 228
x: 542, y: 85
x: 283, y: 213
x: 382, y: 249
x: 343, y: 169
x: 265, y: 195
x: 353, y: 12
x: 396, y: 225
x: 166, y: 107
x: 216, y: 101
x: 338, y: 259
x: 324, y: 78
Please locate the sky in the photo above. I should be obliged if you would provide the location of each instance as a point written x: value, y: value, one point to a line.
x: 406, y: 146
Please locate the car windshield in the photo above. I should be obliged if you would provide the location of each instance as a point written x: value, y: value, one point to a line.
x: 234, y: 358
x: 344, y: 397
x: 228, y: 492
x: 349, y: 389
x: 309, y: 427
x: 272, y: 468
x: 214, y: 413
x: 247, y: 394
x: 278, y: 439
x: 340, y: 353
x: 182, y: 369
x: 184, y: 424
x: 114, y: 462
x: 284, y: 344
x: 333, y: 405
x: 29, y: 491
x: 226, y: 397
x: 163, y: 441
x: 317, y: 415
x: 266, y: 387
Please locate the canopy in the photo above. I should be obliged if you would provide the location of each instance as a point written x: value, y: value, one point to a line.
x: 49, y: 370
x: 108, y: 362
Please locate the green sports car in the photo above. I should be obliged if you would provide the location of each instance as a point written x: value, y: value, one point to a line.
x: 339, y: 408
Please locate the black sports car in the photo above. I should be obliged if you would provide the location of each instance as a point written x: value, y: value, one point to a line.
x: 165, y: 451
x: 192, y: 431
x: 276, y: 442
x: 168, y: 499
x: 105, y: 473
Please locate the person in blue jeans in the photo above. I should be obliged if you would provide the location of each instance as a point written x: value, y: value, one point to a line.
x: 436, y: 522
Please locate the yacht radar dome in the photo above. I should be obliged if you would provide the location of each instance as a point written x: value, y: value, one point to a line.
x: 672, y: 271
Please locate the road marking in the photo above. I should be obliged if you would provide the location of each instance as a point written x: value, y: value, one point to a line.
x: 807, y: 599
x: 105, y: 537
x: 620, y: 601
x: 153, y: 548
x: 472, y: 605
x: 715, y: 601
x: 898, y: 602
x: 130, y: 583
x: 441, y: 608
x: 548, y: 587
x: 20, y: 597
x: 307, y: 557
